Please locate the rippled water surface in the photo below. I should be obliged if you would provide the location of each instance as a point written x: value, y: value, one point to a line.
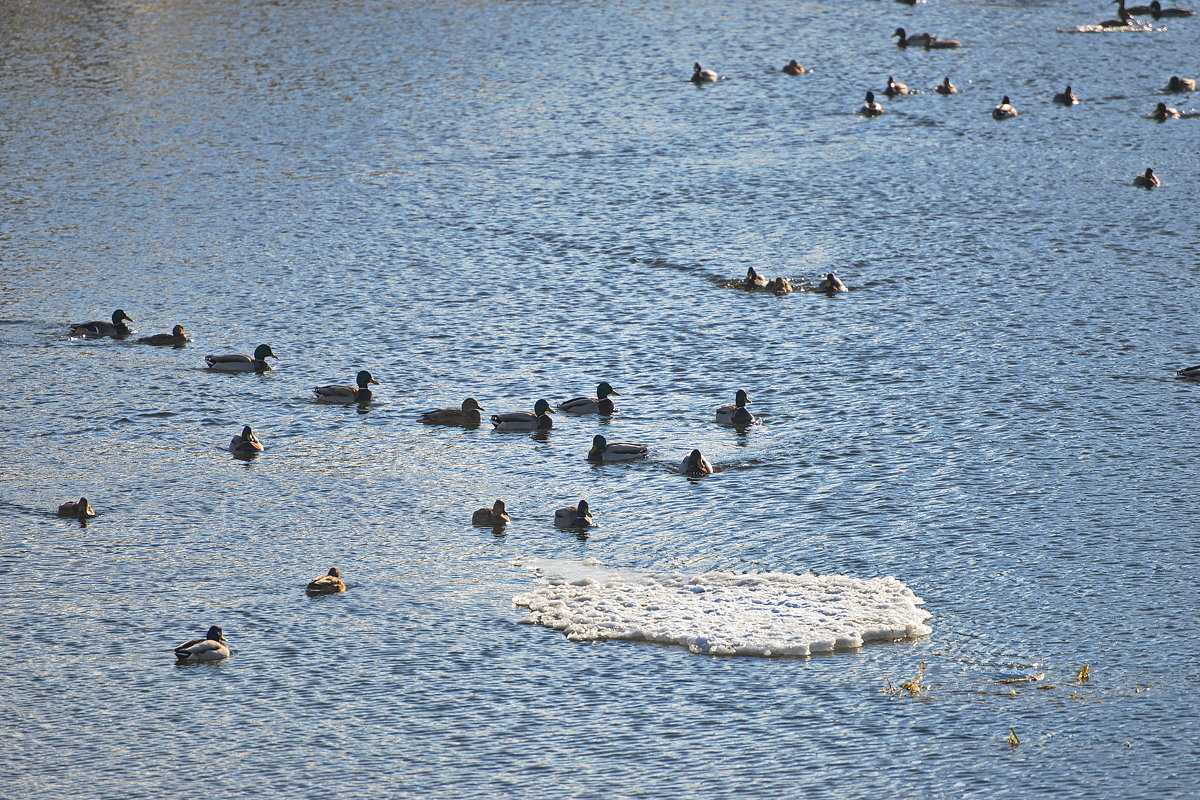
x: 514, y: 200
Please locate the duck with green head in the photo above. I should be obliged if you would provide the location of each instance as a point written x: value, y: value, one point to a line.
x: 347, y: 394
x: 600, y: 404
x: 246, y: 443
x: 604, y: 450
x: 579, y: 516
x: 539, y: 420
x: 736, y: 414
x: 695, y: 465
x: 467, y: 416
x: 237, y: 362
x: 213, y: 647
x: 97, y: 329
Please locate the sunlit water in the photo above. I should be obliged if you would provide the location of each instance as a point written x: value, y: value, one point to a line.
x: 519, y: 200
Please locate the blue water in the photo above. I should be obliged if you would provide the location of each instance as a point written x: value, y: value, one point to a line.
x: 519, y: 200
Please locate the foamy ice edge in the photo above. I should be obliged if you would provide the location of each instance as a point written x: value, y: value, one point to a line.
x: 721, y: 613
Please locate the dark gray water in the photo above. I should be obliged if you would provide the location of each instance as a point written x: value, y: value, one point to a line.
x: 514, y: 200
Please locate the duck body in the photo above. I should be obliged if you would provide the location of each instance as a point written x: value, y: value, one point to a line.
x: 1147, y: 180
x: 466, y: 416
x: 904, y: 40
x: 79, y: 510
x: 346, y: 395
x: 1178, y: 84
x: 246, y: 443
x: 98, y: 329
x: 895, y: 88
x: 1005, y: 110
x: 539, y: 420
x: 779, y: 286
x: 831, y: 284
x: 934, y: 43
x: 579, y: 516
x: 736, y: 414
x: 604, y: 450
x: 491, y: 517
x: 600, y: 404
x: 329, y: 583
x: 1066, y: 97
x: 946, y: 87
x: 1158, y: 12
x: 212, y: 647
x: 871, y: 108
x: 176, y: 338
x: 701, y: 75
x: 695, y: 465
x: 236, y: 362
x: 793, y: 68
x: 1162, y: 112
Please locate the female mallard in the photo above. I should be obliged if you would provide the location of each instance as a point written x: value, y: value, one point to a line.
x: 831, y: 284
x: 236, y: 362
x: 1066, y: 97
x: 1191, y: 373
x: 99, y: 328
x: 579, y: 516
x: 539, y: 420
x: 1158, y: 12
x: 604, y: 450
x: 176, y: 337
x: 903, y: 40
x: 80, y: 510
x: 779, y: 285
x: 753, y: 279
x: 212, y: 647
x: 1147, y: 180
x: 1178, y: 84
x: 600, y: 404
x: 1005, y: 110
x: 937, y: 43
x: 701, y: 75
x: 246, y: 443
x: 695, y: 465
x: 870, y: 107
x: 1162, y: 112
x: 946, y: 87
x: 793, y: 68
x: 736, y: 414
x: 895, y: 88
x: 347, y: 394
x: 491, y: 517
x: 466, y: 416
x: 329, y: 583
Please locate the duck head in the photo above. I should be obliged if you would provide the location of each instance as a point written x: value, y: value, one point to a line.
x: 119, y: 315
x: 740, y: 399
x: 542, y: 407
x: 263, y: 351
x: 364, y: 378
x: 604, y: 390
x: 334, y: 572
x: 215, y: 634
x: 599, y: 443
x: 471, y: 404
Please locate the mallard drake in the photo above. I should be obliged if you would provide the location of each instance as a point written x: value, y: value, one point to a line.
x: 600, y: 404
x: 97, y: 329
x: 870, y: 107
x: 466, y: 416
x: 1162, y: 112
x: 80, y: 510
x: 1158, y: 12
x: 491, y: 517
x: 793, y: 68
x: 936, y: 43
x: 236, y: 362
x: 1066, y: 97
x: 245, y: 443
x: 347, y: 394
x: 736, y: 414
x: 1005, y: 110
x: 604, y: 450
x: 695, y: 465
x: 539, y: 420
x: 903, y: 40
x: 831, y: 284
x: 212, y: 647
x: 946, y: 87
x: 329, y: 583
x: 753, y: 279
x: 579, y: 516
x: 895, y: 88
x: 779, y: 285
x: 701, y: 75
x: 1191, y: 373
x: 176, y: 337
x: 1178, y: 84
x: 1147, y: 180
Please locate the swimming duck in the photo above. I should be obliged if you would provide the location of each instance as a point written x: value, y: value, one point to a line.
x: 245, y: 443
x: 831, y: 284
x: 236, y: 362
x: 1162, y: 112
x: 934, y: 43
x: 1005, y: 110
x: 779, y: 285
x: 465, y: 416
x: 539, y: 420
x: 695, y: 465
x: 1178, y: 84
x: 1123, y: 20
x: 1135, y: 9
x: 329, y: 583
x: 212, y: 647
x: 579, y: 516
x: 80, y: 510
x: 701, y: 75
x: 895, y: 89
x: 1066, y: 97
x: 794, y: 68
x: 870, y: 107
x: 176, y: 337
x: 736, y: 414
x: 1191, y: 373
x: 906, y: 41
x: 600, y: 404
x: 1147, y: 180
x: 347, y: 394
x: 491, y: 517
x: 1158, y: 12
x: 753, y: 279
x: 604, y: 450
x: 946, y: 87
x: 100, y: 328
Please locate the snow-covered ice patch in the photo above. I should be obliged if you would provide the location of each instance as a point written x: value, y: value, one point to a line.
x: 722, y: 613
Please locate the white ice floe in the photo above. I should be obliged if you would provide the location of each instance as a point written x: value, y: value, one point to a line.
x: 722, y: 613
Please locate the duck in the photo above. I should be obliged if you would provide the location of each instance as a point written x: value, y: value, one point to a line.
x: 1005, y: 110
x: 465, y: 416
x: 894, y: 88
x: 329, y: 583
x: 1124, y: 19
x: 97, y: 329
x: 604, y: 450
x: 236, y: 362
x: 212, y: 647
x: 1147, y: 180
x: 736, y: 414
x: 579, y: 516
x: 347, y: 394
x: 1190, y: 373
x: 695, y: 465
x: 753, y: 279
x: 1158, y: 12
x: 600, y: 404
x: 1178, y: 84
x: 701, y: 75
x: 946, y: 87
x: 491, y: 517
x: 779, y: 286
x: 246, y: 443
x: 176, y: 337
x: 1135, y: 9
x: 935, y: 43
x: 1066, y: 97
x: 539, y: 420
x: 794, y: 68
x: 870, y: 107
x: 904, y: 40
x: 831, y: 284
x: 1162, y: 112
x: 80, y: 510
